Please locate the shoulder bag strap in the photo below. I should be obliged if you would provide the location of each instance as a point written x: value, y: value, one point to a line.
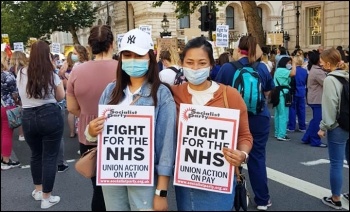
x: 225, y: 97
x: 133, y: 102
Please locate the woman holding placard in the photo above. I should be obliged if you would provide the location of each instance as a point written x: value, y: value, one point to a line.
x: 197, y: 62
x: 137, y: 82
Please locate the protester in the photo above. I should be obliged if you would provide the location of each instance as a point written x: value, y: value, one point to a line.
x: 199, y: 90
x: 337, y: 137
x: 137, y: 75
x: 170, y: 60
x: 9, y: 97
x: 223, y: 58
x: 314, y: 97
x: 17, y: 62
x: 246, y: 52
x: 285, y: 70
x: 84, y: 88
x: 298, y: 90
x: 40, y: 88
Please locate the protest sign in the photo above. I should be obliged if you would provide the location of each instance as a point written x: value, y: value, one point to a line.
x: 119, y: 39
x: 125, y: 154
x: 56, y: 48
x: 202, y: 133
x: 18, y: 46
x: 146, y: 28
x: 222, y: 35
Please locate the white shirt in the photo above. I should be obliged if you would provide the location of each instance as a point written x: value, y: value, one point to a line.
x: 168, y: 75
x: 22, y: 80
x: 202, y: 97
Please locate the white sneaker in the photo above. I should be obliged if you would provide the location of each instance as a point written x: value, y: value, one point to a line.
x: 264, y: 207
x: 52, y: 200
x: 21, y: 138
x: 37, y: 195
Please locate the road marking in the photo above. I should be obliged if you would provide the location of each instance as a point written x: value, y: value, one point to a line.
x: 301, y: 185
x: 321, y: 161
x: 28, y: 166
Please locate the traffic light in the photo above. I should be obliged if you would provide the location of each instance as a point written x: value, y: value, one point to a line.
x: 203, y: 10
x: 212, y: 20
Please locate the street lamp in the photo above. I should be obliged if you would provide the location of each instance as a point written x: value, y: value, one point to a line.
x: 297, y: 46
x: 165, y: 27
x: 278, y: 27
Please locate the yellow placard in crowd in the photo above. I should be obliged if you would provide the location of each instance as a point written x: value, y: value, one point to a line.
x: 67, y: 49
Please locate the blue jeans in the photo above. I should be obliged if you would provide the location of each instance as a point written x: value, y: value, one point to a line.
x: 60, y: 157
x: 311, y: 137
x: 338, y: 143
x: 43, y: 130
x: 190, y: 199
x: 297, y: 109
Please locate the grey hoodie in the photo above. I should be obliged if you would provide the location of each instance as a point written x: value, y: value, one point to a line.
x: 331, y: 99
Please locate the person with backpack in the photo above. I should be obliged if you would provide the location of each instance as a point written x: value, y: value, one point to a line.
x: 246, y: 53
x: 335, y: 121
x: 172, y: 73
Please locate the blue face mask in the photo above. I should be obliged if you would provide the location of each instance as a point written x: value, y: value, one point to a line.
x: 135, y: 67
x: 289, y: 66
x: 198, y: 76
x: 74, y: 57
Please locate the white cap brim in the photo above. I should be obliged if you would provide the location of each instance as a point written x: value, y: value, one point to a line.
x: 136, y: 50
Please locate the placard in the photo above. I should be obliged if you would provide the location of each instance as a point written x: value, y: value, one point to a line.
x: 166, y: 43
x: 222, y: 35
x: 125, y: 154
x: 202, y: 133
x: 119, y: 39
x: 18, y: 46
x: 274, y: 39
x: 5, y: 38
x: 67, y: 49
x: 56, y: 48
x: 146, y: 28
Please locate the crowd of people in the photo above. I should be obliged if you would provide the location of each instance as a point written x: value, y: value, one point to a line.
x: 45, y: 87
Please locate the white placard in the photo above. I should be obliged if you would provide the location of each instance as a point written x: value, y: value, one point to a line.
x: 125, y: 154
x: 146, y: 28
x: 18, y: 46
x: 202, y: 133
x: 222, y: 35
x: 119, y: 39
x: 3, y: 46
x: 56, y: 48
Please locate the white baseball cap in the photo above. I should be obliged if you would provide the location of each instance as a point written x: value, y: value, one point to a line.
x: 136, y: 41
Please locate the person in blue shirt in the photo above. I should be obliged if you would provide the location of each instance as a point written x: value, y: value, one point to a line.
x: 297, y: 109
x: 247, y: 51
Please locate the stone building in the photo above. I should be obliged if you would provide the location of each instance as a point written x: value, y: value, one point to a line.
x: 320, y: 23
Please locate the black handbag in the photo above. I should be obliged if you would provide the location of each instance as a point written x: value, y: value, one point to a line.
x: 241, y: 193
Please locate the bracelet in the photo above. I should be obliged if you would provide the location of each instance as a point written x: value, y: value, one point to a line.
x: 88, y: 136
x: 246, y: 156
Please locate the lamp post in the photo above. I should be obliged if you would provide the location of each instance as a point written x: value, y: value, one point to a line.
x: 107, y: 22
x: 165, y: 27
x: 278, y: 27
x: 297, y: 46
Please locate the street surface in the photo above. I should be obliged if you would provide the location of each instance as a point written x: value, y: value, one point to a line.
x: 298, y: 178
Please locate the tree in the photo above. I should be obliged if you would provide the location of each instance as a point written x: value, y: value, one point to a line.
x: 251, y: 16
x: 41, y: 17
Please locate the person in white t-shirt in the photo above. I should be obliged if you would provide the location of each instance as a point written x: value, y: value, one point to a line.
x: 170, y: 59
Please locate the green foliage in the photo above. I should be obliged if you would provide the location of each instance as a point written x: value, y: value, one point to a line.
x: 24, y: 19
x: 183, y: 8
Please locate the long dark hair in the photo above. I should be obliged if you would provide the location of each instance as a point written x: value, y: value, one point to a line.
x: 123, y: 79
x: 40, y: 71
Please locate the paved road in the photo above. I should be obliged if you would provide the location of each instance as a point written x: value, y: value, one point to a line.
x: 298, y: 178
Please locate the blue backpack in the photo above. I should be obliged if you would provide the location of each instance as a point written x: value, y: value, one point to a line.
x: 247, y: 81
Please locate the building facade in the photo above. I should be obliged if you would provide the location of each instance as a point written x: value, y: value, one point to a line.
x: 320, y: 23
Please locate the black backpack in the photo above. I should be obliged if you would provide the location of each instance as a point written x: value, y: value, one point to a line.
x: 343, y: 116
x: 179, y: 78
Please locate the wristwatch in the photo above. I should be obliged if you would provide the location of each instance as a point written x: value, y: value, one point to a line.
x: 161, y: 193
x: 246, y: 157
